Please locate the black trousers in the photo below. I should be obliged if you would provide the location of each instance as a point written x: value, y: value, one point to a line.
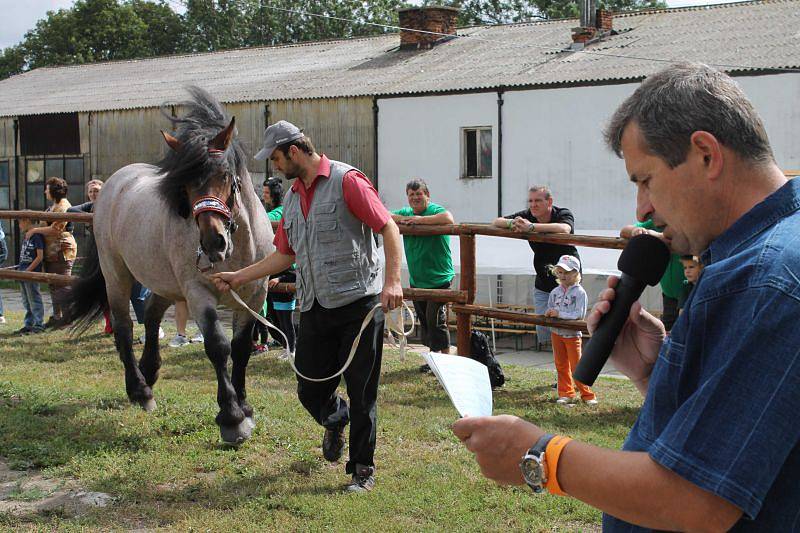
x: 433, y: 322
x: 325, y: 337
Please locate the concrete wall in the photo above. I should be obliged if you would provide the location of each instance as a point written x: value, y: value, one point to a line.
x: 777, y: 99
x: 422, y: 137
x: 551, y: 137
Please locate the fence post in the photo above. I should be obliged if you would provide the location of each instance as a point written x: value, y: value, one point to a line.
x: 467, y: 283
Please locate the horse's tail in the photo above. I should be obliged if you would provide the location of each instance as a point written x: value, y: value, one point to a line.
x: 88, y: 297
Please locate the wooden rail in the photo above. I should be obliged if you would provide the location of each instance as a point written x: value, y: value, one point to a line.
x: 47, y: 217
x: 38, y: 277
x: 518, y: 316
x: 463, y: 298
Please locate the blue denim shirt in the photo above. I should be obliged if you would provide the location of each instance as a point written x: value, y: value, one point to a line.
x: 724, y: 397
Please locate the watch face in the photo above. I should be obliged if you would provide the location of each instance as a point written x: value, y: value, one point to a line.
x: 532, y: 472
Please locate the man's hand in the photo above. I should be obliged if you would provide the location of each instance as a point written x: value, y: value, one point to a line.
x: 552, y: 313
x: 498, y: 442
x: 391, y: 296
x: 522, y: 225
x: 409, y: 221
x: 272, y: 282
x: 639, y: 342
x: 225, y: 281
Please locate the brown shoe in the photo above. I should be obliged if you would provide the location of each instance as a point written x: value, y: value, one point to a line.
x: 333, y: 443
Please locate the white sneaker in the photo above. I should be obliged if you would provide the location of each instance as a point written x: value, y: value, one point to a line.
x: 564, y: 400
x: 178, y: 341
x: 161, y: 335
x: 2, y: 319
x: 590, y: 402
x: 198, y: 338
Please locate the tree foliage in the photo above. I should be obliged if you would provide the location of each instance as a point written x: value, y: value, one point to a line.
x: 105, y: 30
x: 476, y: 12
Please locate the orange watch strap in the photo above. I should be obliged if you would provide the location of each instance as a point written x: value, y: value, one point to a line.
x: 552, y: 453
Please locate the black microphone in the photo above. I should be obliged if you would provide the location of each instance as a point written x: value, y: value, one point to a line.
x: 643, y: 262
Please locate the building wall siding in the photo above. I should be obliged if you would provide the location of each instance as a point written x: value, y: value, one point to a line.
x: 118, y: 138
x: 341, y: 128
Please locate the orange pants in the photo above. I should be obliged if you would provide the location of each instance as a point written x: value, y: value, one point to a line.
x: 567, y: 353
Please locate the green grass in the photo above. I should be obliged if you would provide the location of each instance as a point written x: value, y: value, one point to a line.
x: 63, y: 409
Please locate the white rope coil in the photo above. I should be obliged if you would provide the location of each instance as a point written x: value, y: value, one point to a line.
x: 393, y: 327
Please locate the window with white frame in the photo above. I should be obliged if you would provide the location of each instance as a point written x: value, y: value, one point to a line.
x: 476, y: 152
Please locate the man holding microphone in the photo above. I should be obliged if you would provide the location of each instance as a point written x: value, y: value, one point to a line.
x: 716, y: 445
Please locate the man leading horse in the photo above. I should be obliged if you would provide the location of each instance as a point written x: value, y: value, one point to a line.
x: 332, y: 216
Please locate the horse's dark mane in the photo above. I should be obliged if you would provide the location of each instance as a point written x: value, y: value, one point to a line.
x: 204, y: 119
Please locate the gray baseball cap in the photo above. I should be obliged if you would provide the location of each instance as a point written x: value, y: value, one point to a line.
x: 277, y: 134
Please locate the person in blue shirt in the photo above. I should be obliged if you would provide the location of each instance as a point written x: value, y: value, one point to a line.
x: 716, y: 445
x: 31, y: 257
x: 3, y: 257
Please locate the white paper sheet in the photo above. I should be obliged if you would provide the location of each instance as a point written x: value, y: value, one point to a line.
x: 465, y: 380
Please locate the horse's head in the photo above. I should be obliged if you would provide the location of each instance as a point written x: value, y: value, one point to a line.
x: 212, y: 196
x: 202, y: 173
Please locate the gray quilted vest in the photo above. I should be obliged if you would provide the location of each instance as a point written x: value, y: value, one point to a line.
x: 337, y: 255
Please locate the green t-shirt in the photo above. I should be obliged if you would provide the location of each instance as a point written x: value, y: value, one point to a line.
x: 275, y: 214
x: 673, y: 284
x: 430, y: 264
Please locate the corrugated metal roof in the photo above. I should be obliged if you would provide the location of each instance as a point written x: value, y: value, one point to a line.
x: 736, y: 37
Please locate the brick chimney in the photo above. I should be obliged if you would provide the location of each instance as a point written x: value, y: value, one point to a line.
x: 436, y: 19
x: 595, y: 24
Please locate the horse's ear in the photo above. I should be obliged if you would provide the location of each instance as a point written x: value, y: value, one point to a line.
x: 173, y: 143
x: 224, y: 138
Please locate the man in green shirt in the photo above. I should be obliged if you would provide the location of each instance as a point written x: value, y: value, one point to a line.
x: 673, y: 284
x: 430, y: 264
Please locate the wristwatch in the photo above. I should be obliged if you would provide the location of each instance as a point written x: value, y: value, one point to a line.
x: 533, y: 466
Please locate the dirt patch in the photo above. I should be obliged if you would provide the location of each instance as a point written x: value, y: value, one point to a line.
x: 26, y: 492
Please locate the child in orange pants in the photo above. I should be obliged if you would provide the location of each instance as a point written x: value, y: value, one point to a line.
x: 568, y: 301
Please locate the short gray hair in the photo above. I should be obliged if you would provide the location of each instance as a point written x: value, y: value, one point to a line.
x: 416, y: 184
x: 542, y: 188
x: 672, y: 104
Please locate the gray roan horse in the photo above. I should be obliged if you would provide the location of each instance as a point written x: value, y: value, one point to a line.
x: 147, y: 225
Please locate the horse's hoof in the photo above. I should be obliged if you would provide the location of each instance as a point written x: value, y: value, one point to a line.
x: 235, y: 435
x: 148, y: 405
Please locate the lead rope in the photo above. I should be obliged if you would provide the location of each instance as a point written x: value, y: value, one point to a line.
x: 290, y: 356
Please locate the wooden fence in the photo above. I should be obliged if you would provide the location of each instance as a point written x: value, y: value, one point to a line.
x: 462, y: 299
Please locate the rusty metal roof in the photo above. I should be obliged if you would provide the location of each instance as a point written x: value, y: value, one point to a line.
x: 746, y: 36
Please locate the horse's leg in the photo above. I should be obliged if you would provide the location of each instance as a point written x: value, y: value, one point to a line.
x: 154, y: 310
x: 241, y: 347
x: 118, y: 289
x: 233, y: 426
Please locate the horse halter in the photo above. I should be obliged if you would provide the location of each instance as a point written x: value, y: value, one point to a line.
x: 214, y: 204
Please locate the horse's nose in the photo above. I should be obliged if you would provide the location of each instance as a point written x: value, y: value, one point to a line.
x: 215, y: 246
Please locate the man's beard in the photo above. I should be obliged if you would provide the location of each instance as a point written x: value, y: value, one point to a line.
x: 292, y: 170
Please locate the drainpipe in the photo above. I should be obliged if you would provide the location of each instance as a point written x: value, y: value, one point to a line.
x: 375, y: 141
x: 266, y: 125
x: 17, y: 187
x: 500, y: 102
